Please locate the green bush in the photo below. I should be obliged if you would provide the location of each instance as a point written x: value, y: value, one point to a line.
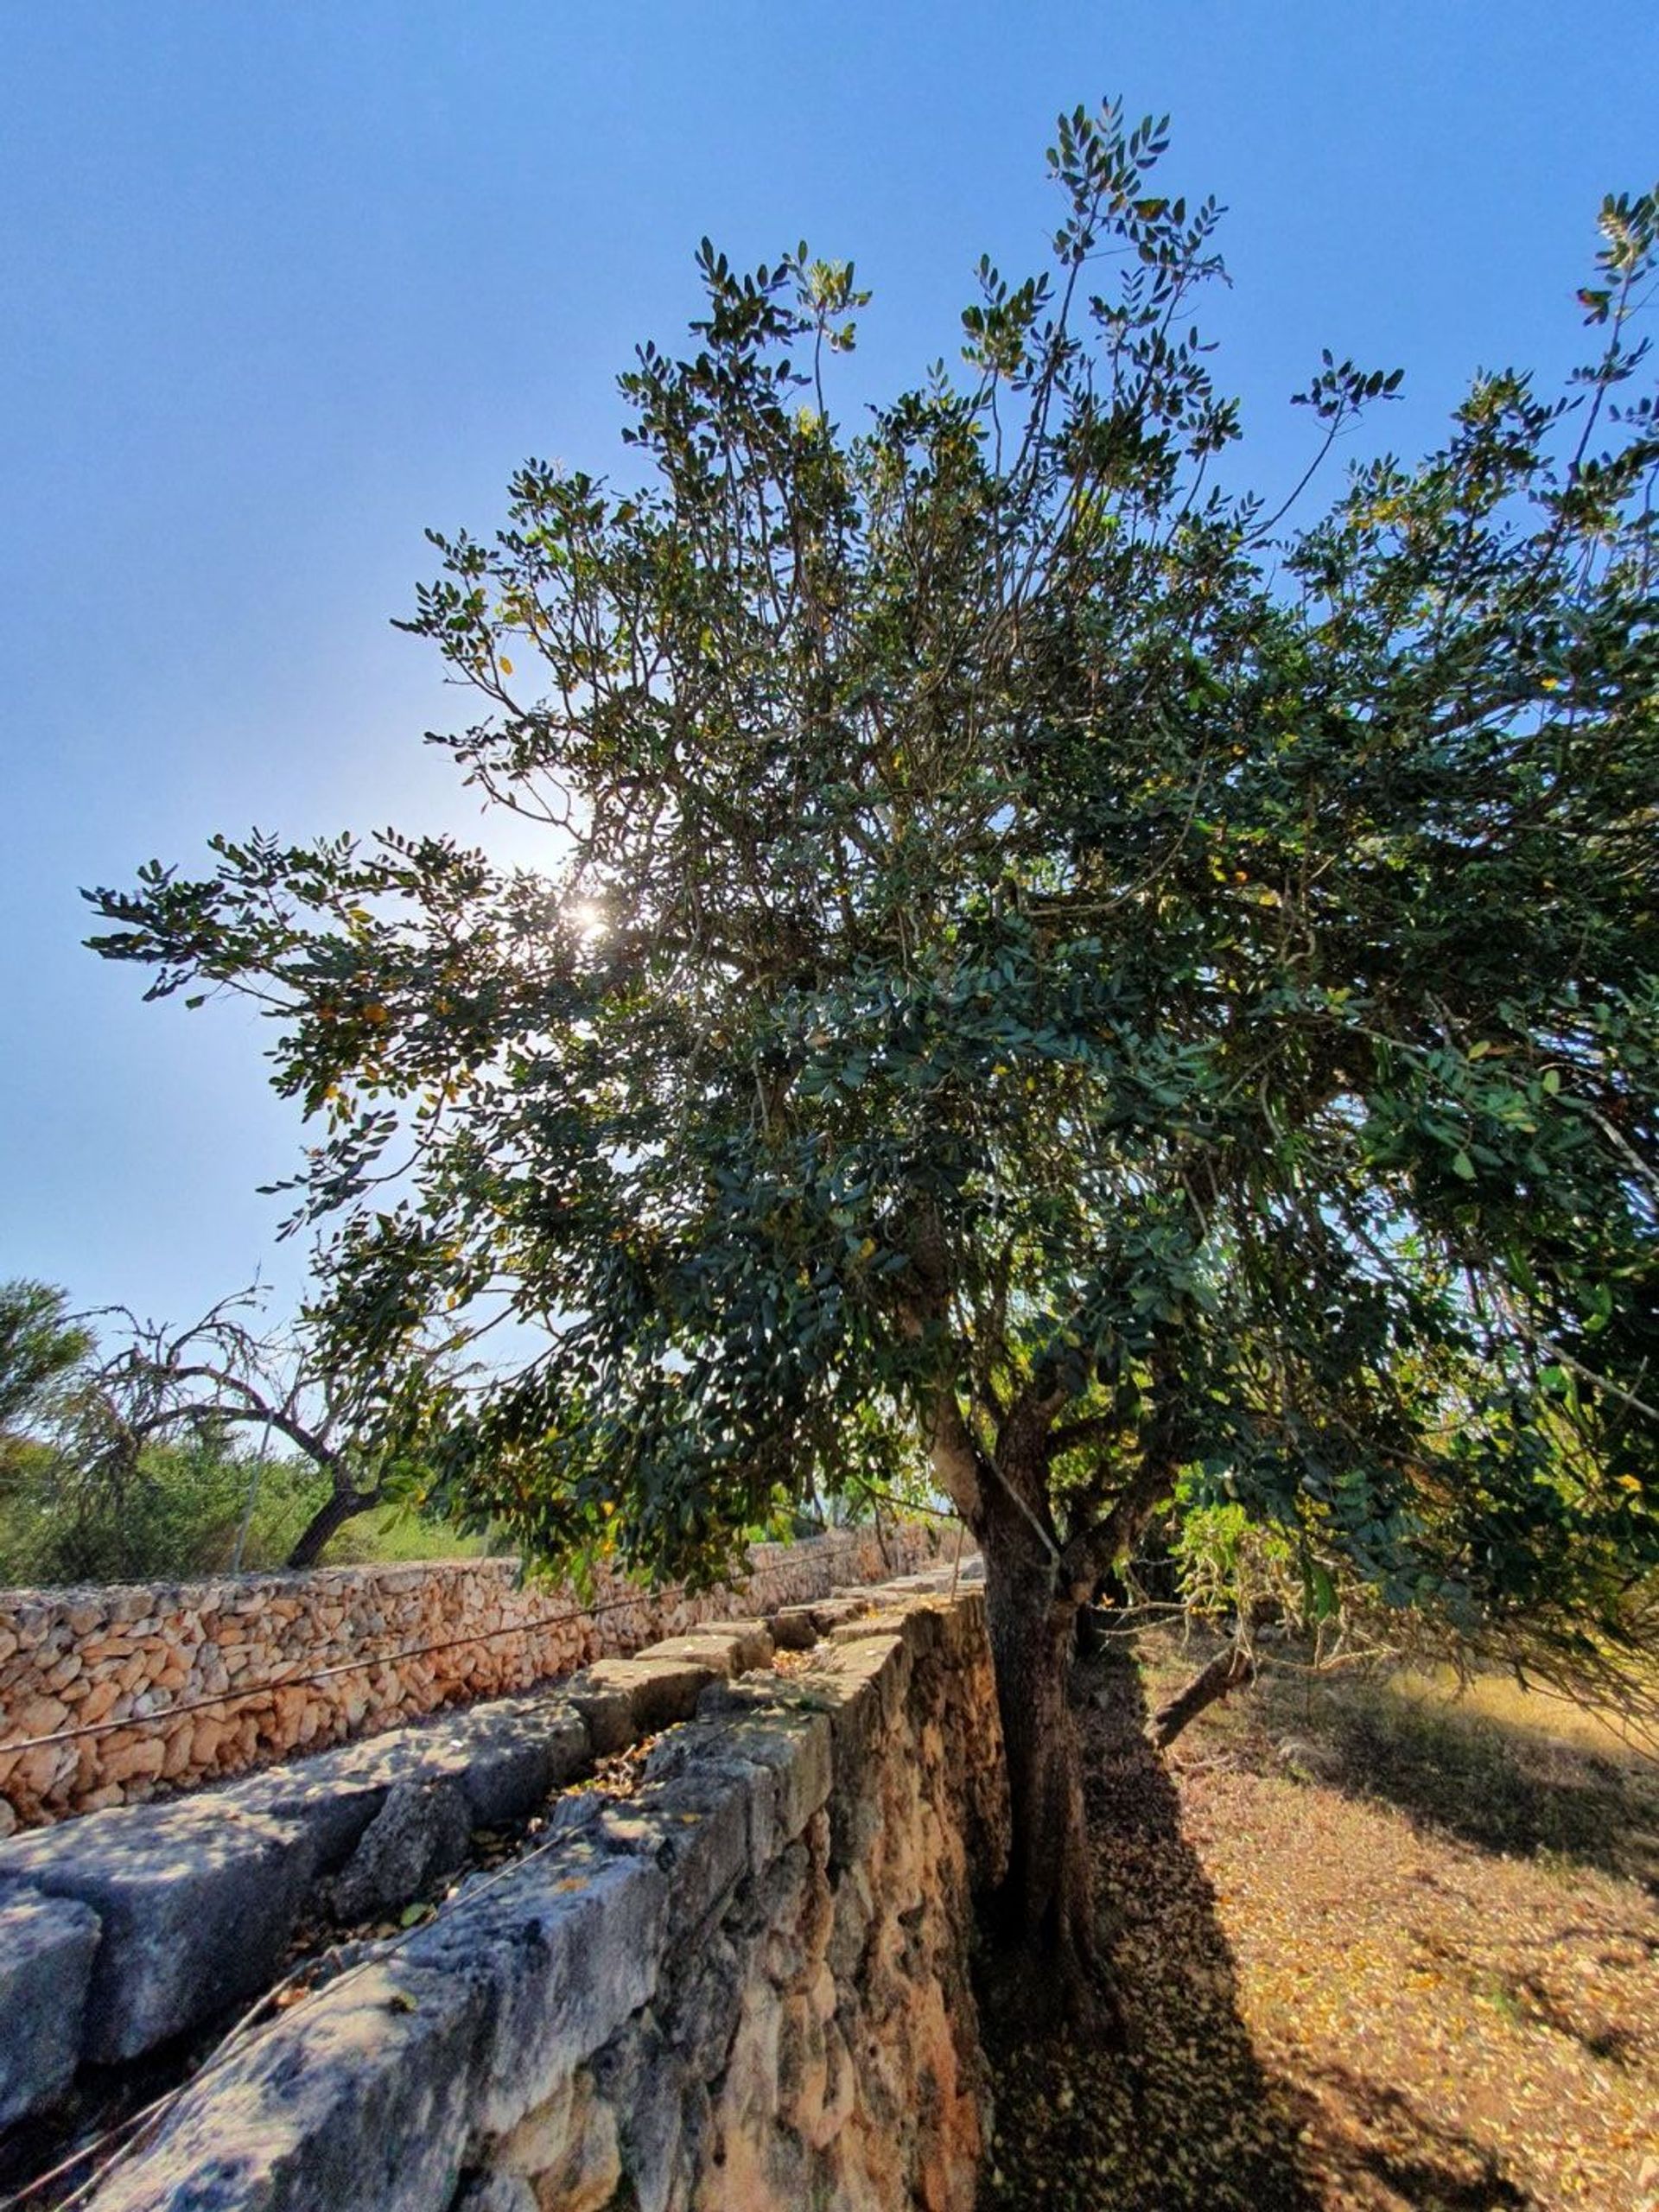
x: 175, y: 1516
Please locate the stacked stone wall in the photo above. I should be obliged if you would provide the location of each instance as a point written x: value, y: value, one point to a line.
x: 139, y: 1655
x: 745, y: 1986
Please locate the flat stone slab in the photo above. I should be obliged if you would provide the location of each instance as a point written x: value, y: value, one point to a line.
x: 695, y: 1826
x: 196, y: 1901
x: 559, y: 1952
x: 659, y: 1691
x: 792, y: 1628
x: 792, y: 1741
x: 504, y: 1757
x: 332, y: 1800
x: 45, y: 1966
x: 357, y: 2102
x: 606, y: 1712
x: 730, y: 1648
x: 752, y: 1637
x: 889, y: 1621
x: 827, y: 1613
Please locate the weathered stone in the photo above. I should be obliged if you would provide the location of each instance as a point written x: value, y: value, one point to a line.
x: 883, y: 1663
x: 330, y: 1803
x: 496, y: 2192
x: 560, y: 1953
x: 570, y: 2144
x: 698, y: 1648
x: 507, y: 1756
x: 196, y: 1904
x: 827, y: 1613
x: 360, y: 2099
x: 783, y: 1735
x: 659, y: 1691
x: 695, y: 1826
x: 679, y: 2004
x: 504, y: 1758
x: 702, y: 1749
x: 792, y: 1628
x: 654, y: 2085
x: 607, y: 1713
x: 748, y: 1643
x: 419, y: 1835
x: 888, y: 1621
x: 46, y: 1964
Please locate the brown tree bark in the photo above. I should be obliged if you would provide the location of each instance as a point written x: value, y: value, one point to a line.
x: 1044, y: 1913
x: 341, y: 1506
x: 1228, y: 1670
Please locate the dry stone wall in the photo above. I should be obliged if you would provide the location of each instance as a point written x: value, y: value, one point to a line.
x: 135, y: 1654
x: 743, y: 1989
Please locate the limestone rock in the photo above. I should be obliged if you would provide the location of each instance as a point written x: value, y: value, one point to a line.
x: 659, y: 1691
x: 606, y: 1712
x: 496, y: 2192
x: 46, y: 1965
x: 696, y: 1827
x: 781, y: 1731
x: 792, y: 1628
x: 419, y: 1835
x: 196, y: 1905
x: 360, y: 2099
x: 560, y: 1953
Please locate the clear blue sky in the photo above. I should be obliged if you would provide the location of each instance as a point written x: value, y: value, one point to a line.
x: 285, y: 281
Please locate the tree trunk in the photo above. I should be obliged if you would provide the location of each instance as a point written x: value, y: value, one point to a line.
x: 1045, y: 1911
x: 341, y: 1506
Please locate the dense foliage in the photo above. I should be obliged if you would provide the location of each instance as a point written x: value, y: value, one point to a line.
x: 1037, y: 957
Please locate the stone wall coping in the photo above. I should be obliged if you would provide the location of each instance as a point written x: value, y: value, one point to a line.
x: 377, y: 2093
x: 197, y: 1897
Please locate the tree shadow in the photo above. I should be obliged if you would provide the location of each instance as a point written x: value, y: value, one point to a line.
x: 1187, y: 2118
x: 1467, y: 1775
x: 1385, y: 2136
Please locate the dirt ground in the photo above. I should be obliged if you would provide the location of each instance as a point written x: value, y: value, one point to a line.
x: 1377, y: 1950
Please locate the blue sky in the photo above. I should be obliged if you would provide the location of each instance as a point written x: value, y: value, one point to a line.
x: 285, y: 281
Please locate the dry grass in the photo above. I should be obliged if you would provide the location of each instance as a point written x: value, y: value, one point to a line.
x: 1505, y: 1702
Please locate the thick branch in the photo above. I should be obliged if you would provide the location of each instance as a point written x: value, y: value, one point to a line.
x: 1228, y: 1670
x: 955, y: 1458
x: 254, y: 1408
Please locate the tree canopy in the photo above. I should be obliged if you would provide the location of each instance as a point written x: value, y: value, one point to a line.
x: 1043, y: 961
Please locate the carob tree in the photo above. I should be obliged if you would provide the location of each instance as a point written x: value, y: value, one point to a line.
x: 1041, y: 965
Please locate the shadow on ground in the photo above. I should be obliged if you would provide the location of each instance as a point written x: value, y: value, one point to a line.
x: 1187, y: 2120
x: 1406, y: 2155
x: 1502, y: 1789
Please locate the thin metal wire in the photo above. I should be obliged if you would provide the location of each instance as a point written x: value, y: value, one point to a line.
x: 138, y: 2124
x: 166, y: 1714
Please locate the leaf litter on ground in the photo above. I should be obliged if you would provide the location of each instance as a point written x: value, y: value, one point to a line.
x: 1348, y: 1985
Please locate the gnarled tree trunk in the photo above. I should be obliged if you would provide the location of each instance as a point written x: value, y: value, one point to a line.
x: 1045, y: 1910
x: 343, y: 1504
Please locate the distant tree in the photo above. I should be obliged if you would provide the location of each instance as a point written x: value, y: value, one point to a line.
x: 112, y: 1456
x: 361, y: 1432
x: 1041, y: 964
x: 41, y: 1346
